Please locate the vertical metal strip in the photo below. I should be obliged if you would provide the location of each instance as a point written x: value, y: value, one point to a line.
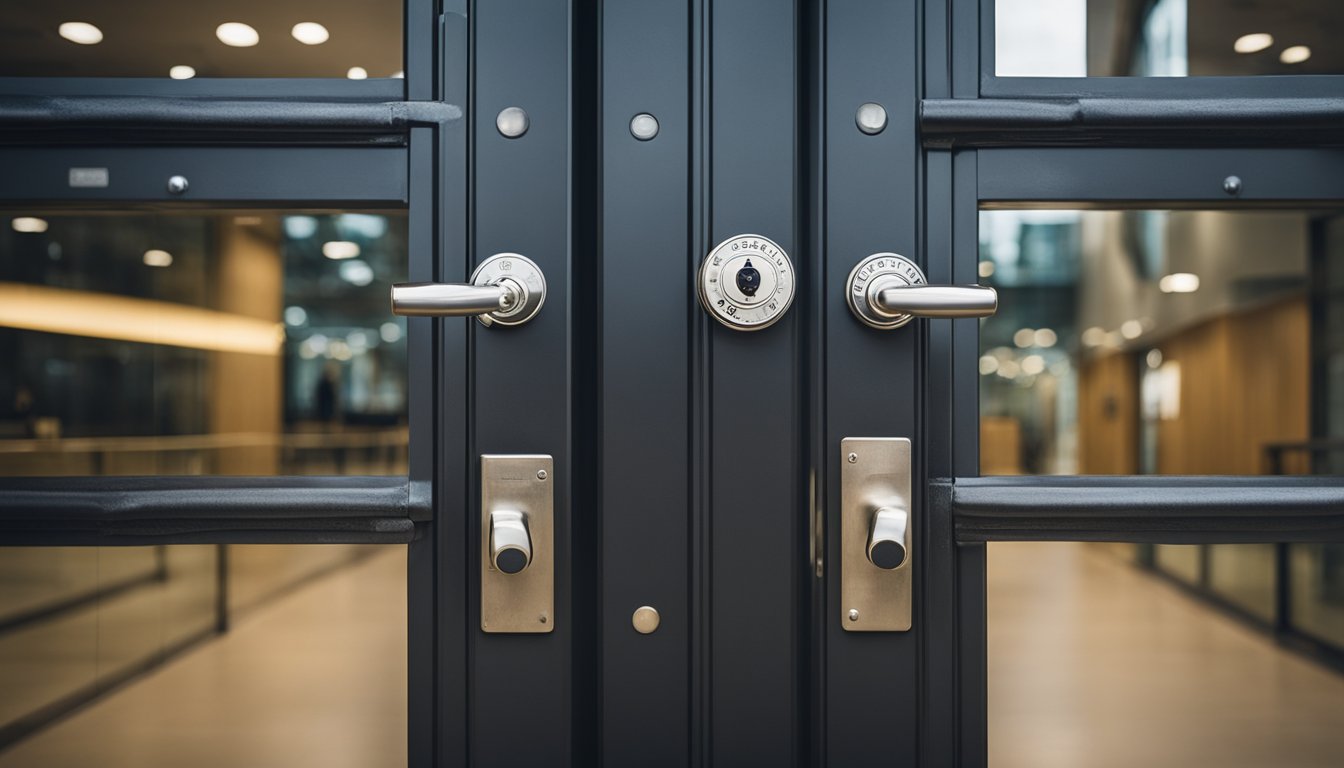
x: 873, y: 377
x: 521, y: 701
x: 757, y: 519
x: 644, y: 360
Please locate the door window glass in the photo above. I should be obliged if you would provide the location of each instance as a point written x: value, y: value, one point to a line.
x: 209, y: 38
x: 203, y: 655
x: 222, y: 342
x: 1166, y: 38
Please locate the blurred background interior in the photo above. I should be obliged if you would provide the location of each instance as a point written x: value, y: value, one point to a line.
x: 1140, y: 341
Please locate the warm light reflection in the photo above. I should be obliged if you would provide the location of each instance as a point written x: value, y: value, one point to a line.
x: 104, y: 316
x: 237, y: 34
x: 81, y: 32
x: 1253, y: 43
x: 1179, y: 282
x: 1295, y: 55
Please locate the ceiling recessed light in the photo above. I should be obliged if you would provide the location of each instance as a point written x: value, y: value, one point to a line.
x: 158, y: 258
x: 357, y: 73
x: 81, y: 32
x: 1295, y: 55
x: 1131, y: 329
x: 340, y: 249
x: 29, y: 224
x: 1179, y: 282
x: 310, y: 33
x: 182, y: 72
x: 1253, y: 43
x: 237, y: 34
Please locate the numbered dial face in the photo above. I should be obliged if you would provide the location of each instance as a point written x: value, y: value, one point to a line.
x: 747, y: 282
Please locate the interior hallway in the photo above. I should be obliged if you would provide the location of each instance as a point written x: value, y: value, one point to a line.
x: 1093, y: 662
x: 316, y: 677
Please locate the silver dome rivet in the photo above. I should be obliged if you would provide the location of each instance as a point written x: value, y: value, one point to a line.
x: 512, y: 122
x: 1232, y: 185
x: 871, y: 118
x: 643, y: 126
x: 177, y: 184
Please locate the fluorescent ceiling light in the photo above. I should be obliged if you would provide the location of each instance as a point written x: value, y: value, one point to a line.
x: 81, y: 32
x: 1179, y: 282
x: 310, y: 33
x: 1295, y: 55
x: 29, y: 224
x: 357, y: 73
x: 105, y: 316
x: 1253, y: 43
x: 182, y: 72
x: 340, y: 249
x: 237, y: 34
x: 157, y: 258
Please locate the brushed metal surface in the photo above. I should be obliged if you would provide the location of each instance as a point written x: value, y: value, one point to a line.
x: 524, y: 601
x: 874, y: 474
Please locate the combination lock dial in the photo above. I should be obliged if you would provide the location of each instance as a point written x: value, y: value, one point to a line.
x: 747, y: 282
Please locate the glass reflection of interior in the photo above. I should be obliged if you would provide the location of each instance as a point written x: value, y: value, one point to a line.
x: 1175, y: 342
x: 228, y: 343
x: 354, y: 39
x: 1167, y: 38
x: 193, y: 654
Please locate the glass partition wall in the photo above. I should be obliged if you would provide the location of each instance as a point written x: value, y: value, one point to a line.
x: 1190, y: 342
x: 185, y: 342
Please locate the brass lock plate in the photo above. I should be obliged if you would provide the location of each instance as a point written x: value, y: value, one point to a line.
x: 523, y: 601
x: 874, y: 474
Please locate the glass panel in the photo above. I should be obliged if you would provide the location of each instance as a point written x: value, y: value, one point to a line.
x: 1181, y: 561
x: 1167, y: 38
x: 117, y: 656
x: 208, y: 38
x: 1093, y: 661
x: 187, y: 343
x: 1317, y: 601
x: 1244, y: 575
x: 1162, y: 342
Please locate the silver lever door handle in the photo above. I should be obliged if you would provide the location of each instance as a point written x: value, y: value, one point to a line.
x: 506, y: 288
x: 936, y: 301
x: 887, y: 290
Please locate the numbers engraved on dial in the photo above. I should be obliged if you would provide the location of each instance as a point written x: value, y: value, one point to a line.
x: 747, y: 282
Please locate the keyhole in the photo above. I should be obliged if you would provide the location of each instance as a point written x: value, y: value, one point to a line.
x: 748, y: 279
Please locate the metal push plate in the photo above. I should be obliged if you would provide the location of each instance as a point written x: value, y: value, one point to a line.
x: 524, y: 601
x: 874, y: 473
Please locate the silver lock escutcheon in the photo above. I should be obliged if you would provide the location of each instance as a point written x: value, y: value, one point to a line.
x: 747, y: 282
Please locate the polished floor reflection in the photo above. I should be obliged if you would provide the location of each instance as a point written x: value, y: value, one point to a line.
x: 313, y: 677
x: 1094, y: 662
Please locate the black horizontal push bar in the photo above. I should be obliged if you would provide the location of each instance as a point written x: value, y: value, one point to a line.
x: 1150, y: 509
x: 189, y: 510
x: 1130, y: 122
x: 46, y: 119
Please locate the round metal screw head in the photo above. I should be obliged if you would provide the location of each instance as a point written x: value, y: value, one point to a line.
x: 177, y: 184
x: 853, y: 457
x: 1232, y: 185
x: 541, y: 474
x: 853, y: 614
x: 645, y: 619
x: 644, y: 126
x: 871, y: 118
x: 512, y: 122
x: 543, y: 618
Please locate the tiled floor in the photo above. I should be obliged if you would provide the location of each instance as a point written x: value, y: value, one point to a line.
x: 1095, y: 663
x: 1092, y: 664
